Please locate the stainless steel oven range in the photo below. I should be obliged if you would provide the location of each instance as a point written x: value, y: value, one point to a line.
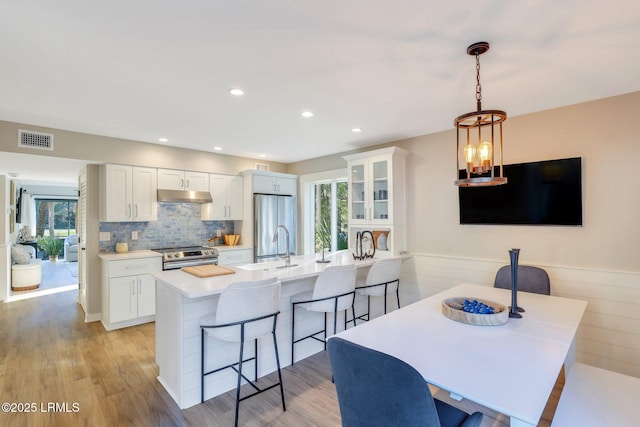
x: 174, y: 258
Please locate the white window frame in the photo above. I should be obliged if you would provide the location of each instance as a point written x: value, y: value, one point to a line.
x: 308, y: 182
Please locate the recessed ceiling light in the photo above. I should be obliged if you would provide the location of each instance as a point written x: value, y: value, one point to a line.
x: 356, y: 130
x: 217, y: 148
x: 236, y: 92
x: 263, y: 155
x: 163, y: 140
x: 307, y: 114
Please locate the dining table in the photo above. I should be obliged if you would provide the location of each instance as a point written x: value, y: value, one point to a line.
x: 510, y: 368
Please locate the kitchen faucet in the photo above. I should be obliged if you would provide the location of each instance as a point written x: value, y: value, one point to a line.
x: 287, y: 255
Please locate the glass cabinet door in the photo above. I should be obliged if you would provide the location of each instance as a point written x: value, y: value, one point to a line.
x: 358, y: 192
x: 380, y: 196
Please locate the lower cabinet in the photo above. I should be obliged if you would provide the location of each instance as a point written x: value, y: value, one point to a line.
x: 128, y: 291
x: 131, y: 297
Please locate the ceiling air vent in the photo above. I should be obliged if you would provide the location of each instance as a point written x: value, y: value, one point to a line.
x: 38, y: 140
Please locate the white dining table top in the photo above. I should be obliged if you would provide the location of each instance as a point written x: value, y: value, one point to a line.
x: 511, y: 368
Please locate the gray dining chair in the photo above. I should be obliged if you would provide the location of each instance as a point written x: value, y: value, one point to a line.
x: 246, y: 311
x: 333, y: 291
x: 376, y: 389
x: 530, y: 279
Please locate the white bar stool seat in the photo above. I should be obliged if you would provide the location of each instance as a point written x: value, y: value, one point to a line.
x: 383, y: 279
x: 333, y: 291
x: 246, y: 311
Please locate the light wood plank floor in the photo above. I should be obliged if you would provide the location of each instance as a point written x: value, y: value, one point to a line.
x: 49, y: 355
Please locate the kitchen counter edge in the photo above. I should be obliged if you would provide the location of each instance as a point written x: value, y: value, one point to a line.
x: 112, y: 256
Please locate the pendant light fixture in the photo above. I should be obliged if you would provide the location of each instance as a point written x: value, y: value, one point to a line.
x: 483, y: 132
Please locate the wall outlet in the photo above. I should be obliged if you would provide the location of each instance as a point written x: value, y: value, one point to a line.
x: 105, y: 236
x: 134, y: 235
x: 218, y: 233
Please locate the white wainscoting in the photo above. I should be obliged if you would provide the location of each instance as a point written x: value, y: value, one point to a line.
x: 609, y: 334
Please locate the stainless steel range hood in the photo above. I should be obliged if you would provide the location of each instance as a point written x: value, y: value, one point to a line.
x: 184, y: 196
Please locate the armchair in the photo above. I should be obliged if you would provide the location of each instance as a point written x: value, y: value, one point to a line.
x: 71, y: 248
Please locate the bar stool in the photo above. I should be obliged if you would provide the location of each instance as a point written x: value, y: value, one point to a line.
x: 333, y: 291
x: 246, y: 311
x: 383, y: 279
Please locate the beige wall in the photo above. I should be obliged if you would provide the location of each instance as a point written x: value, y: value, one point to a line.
x: 603, y: 133
x: 101, y: 149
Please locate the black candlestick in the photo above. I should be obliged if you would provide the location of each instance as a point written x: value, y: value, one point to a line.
x: 514, y: 310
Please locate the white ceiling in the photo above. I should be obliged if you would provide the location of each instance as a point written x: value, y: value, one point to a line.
x: 142, y: 70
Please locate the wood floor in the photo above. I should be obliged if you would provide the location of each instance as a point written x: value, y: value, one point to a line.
x: 77, y: 374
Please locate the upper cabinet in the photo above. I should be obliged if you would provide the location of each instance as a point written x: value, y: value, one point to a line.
x: 170, y: 179
x: 226, y: 192
x: 376, y: 194
x: 128, y: 193
x: 274, y: 184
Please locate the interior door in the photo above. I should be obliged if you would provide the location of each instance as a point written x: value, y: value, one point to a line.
x: 81, y: 218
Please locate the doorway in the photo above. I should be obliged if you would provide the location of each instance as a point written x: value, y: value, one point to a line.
x: 48, y: 221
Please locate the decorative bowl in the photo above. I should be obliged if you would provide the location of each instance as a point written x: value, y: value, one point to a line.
x: 231, y: 239
x: 452, y: 308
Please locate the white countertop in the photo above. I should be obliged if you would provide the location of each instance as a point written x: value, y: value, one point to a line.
x: 222, y: 248
x: 195, y: 287
x: 112, y: 256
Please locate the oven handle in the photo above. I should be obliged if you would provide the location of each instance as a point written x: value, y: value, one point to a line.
x: 174, y: 265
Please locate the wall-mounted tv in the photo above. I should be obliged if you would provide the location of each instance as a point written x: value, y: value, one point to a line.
x: 537, y: 193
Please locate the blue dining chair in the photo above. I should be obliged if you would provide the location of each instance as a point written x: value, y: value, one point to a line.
x: 375, y: 389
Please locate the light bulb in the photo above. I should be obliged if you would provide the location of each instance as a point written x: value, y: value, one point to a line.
x: 469, y: 155
x: 485, y: 156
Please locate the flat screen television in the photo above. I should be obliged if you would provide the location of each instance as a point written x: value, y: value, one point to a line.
x: 537, y: 193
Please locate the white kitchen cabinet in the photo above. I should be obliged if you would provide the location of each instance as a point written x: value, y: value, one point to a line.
x: 233, y: 256
x: 128, y: 193
x: 128, y: 290
x: 274, y: 184
x: 376, y: 193
x: 171, y: 179
x: 226, y: 192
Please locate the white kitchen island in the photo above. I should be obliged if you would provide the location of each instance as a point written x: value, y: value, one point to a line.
x: 181, y: 299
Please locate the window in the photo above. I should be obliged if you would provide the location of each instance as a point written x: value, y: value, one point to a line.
x: 330, y: 215
x: 56, y: 217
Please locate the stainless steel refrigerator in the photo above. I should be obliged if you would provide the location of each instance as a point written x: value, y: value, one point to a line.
x: 269, y: 211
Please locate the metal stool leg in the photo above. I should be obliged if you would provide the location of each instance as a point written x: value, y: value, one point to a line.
x: 275, y: 345
x: 239, y: 373
x: 293, y: 328
x: 202, y: 365
x: 255, y: 362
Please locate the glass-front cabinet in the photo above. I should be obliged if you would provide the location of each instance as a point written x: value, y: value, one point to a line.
x: 377, y: 194
x: 370, y: 191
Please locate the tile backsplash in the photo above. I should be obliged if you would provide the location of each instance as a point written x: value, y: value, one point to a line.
x: 178, y: 224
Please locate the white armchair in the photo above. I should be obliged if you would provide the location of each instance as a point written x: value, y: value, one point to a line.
x: 71, y: 248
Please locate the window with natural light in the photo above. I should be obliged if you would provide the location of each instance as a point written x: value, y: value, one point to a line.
x: 330, y: 215
x: 56, y: 217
